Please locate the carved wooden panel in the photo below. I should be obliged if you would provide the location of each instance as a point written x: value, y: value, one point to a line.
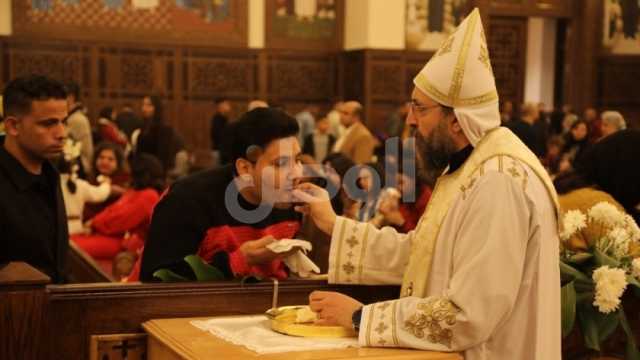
x: 207, y: 74
x: 507, y: 48
x: 186, y: 78
x: 311, y: 78
x: 354, y: 75
x: 387, y: 80
x: 136, y: 73
x: 222, y: 23
x: 59, y: 61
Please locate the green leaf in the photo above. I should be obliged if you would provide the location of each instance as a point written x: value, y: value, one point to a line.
x: 596, y: 326
x: 582, y: 297
x: 632, y: 348
x: 167, y: 275
x: 602, y: 259
x: 607, y: 324
x: 568, y: 307
x: 579, y: 258
x: 202, y: 270
x: 633, y: 281
x: 569, y: 270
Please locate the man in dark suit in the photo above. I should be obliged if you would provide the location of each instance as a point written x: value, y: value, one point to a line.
x: 320, y: 142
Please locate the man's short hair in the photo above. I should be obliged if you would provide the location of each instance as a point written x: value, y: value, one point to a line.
x: 220, y: 100
x: 22, y: 91
x: 256, y: 129
x: 73, y: 89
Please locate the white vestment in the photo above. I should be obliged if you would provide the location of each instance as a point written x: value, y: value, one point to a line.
x: 492, y: 289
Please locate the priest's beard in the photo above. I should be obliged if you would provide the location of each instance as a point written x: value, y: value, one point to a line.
x: 434, y: 152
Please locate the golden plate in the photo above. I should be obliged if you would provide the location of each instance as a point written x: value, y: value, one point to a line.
x: 283, y: 321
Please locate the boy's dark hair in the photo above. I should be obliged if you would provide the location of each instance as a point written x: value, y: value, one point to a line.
x: 73, y: 89
x: 22, y: 91
x: 106, y: 112
x: 219, y: 100
x: 147, y: 172
x: 256, y: 129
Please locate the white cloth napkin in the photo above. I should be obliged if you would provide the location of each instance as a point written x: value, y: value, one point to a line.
x: 254, y: 333
x: 297, y: 262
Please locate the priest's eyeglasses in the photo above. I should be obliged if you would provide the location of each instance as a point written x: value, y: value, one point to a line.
x: 420, y: 109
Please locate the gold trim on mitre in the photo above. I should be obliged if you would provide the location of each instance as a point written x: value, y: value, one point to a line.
x: 452, y: 97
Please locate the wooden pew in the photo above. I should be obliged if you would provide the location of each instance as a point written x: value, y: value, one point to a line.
x: 68, y: 321
x: 82, y: 268
x: 41, y: 321
x: 23, y: 310
x: 78, y: 312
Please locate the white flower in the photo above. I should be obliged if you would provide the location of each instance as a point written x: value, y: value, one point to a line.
x: 610, y: 285
x: 71, y: 150
x: 607, y: 214
x: 633, y: 228
x: 635, y: 268
x: 620, y: 242
x: 572, y: 222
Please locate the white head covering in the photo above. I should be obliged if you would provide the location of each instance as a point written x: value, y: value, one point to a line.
x: 459, y: 75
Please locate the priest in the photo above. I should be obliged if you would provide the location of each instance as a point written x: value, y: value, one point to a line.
x: 480, y: 272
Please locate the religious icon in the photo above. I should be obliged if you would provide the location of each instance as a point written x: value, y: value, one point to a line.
x: 209, y: 10
x: 42, y: 5
x: 622, y: 26
x: 305, y: 19
x: 429, y: 22
x: 113, y: 4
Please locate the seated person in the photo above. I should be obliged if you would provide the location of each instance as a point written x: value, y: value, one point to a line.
x: 124, y: 224
x: 229, y: 214
x: 76, y: 192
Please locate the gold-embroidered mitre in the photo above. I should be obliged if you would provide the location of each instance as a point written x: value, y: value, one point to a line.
x: 459, y: 74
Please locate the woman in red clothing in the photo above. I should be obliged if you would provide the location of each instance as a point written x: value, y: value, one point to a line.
x: 108, y: 130
x: 413, y: 210
x: 124, y: 224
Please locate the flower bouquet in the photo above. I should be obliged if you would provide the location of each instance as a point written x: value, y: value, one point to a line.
x: 599, y: 262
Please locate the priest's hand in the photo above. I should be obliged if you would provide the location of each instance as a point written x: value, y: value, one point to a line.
x: 257, y: 253
x: 317, y: 204
x: 333, y: 308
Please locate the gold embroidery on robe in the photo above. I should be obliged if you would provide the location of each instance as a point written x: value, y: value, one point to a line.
x: 436, y: 316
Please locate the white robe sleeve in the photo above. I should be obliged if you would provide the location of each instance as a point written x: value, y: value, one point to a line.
x: 94, y: 194
x: 490, y: 228
x: 363, y: 254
